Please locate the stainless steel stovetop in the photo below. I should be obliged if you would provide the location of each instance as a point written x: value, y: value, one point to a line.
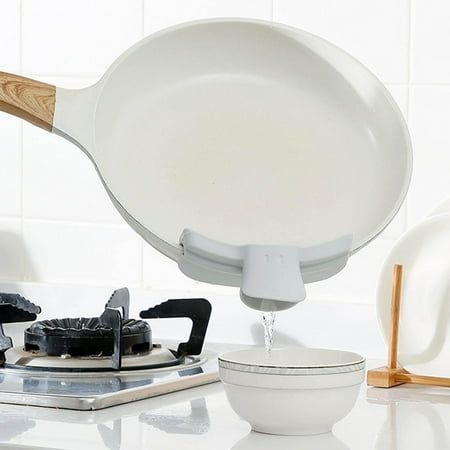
x: 95, y: 363
x: 93, y: 391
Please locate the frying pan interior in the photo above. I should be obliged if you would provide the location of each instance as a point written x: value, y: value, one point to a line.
x: 250, y: 134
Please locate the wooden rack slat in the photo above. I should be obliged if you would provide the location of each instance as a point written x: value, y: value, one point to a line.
x: 393, y: 375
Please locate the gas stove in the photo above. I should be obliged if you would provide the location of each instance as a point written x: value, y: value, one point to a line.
x: 93, y: 363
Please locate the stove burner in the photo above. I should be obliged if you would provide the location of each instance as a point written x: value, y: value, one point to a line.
x: 86, y: 337
x: 105, y: 338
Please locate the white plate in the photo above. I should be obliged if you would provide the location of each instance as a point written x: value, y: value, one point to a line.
x: 424, y: 336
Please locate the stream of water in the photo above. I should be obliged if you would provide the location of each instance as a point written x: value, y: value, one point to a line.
x: 268, y: 320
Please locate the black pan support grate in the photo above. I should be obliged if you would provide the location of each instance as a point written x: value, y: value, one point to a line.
x: 112, y: 334
x: 14, y: 308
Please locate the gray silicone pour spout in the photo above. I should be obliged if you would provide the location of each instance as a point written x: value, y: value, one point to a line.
x: 271, y: 278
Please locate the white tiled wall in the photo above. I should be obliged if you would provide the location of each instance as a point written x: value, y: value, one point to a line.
x: 56, y: 222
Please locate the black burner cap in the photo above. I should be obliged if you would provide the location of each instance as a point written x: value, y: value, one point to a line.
x: 86, y: 337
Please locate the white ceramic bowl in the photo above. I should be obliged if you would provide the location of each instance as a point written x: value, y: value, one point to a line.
x: 294, y: 390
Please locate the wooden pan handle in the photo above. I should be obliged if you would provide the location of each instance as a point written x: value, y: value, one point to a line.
x: 28, y: 99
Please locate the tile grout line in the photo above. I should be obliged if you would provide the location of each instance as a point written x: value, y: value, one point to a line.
x: 23, y: 268
x: 409, y: 67
x: 141, y: 275
x: 143, y: 17
x: 79, y: 76
x: 75, y: 222
x: 10, y: 217
x: 142, y: 263
x: 20, y: 37
x: 409, y: 73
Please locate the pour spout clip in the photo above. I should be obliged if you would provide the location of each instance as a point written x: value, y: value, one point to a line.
x: 270, y: 277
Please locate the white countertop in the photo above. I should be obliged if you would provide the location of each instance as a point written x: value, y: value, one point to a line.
x: 404, y: 417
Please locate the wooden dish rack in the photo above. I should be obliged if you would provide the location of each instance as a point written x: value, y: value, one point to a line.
x: 392, y: 374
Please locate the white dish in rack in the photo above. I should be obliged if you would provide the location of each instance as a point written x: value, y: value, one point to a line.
x: 424, y: 332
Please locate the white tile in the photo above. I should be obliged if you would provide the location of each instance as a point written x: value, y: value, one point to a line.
x: 358, y: 280
x: 400, y: 94
x: 10, y: 36
x: 80, y: 253
x: 431, y: 41
x: 79, y: 37
x: 309, y: 323
x: 163, y: 13
x: 398, y: 226
x: 160, y: 272
x: 11, y: 249
x: 430, y: 110
x: 67, y: 82
x: 374, y: 32
x: 60, y: 182
x: 10, y: 166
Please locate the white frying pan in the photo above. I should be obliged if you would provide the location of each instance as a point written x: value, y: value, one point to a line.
x: 246, y: 132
